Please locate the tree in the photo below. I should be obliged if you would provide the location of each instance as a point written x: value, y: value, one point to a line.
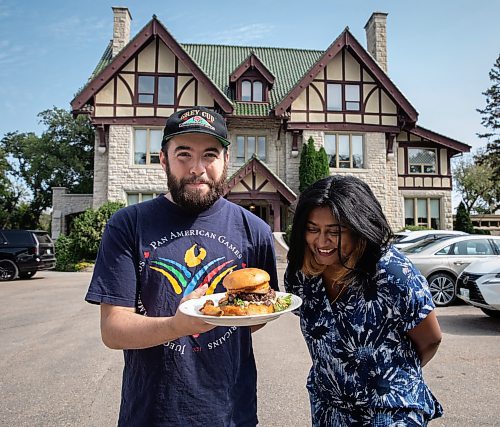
x: 313, y: 164
x: 322, y: 164
x: 463, y: 221
x: 491, y: 121
x: 61, y: 157
x: 476, y: 185
x: 307, y: 169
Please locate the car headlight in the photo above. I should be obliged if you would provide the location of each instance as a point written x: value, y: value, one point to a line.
x: 495, y: 280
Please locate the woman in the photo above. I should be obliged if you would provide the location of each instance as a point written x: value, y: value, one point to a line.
x: 367, y: 315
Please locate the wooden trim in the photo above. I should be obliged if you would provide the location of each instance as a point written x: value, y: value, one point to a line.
x: 348, y: 127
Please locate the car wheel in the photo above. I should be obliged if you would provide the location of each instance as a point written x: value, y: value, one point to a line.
x: 491, y: 313
x: 27, y: 274
x: 8, y: 270
x: 442, y: 288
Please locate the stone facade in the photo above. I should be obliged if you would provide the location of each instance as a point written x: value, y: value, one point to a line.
x: 65, y: 205
x: 376, y: 38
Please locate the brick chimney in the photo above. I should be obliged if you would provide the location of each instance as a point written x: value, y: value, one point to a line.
x: 376, y: 38
x: 121, y: 28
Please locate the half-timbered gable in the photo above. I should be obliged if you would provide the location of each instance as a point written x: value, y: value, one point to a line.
x: 274, y: 99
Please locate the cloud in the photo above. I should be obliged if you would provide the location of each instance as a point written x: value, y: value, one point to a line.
x: 80, y: 30
x: 245, y: 35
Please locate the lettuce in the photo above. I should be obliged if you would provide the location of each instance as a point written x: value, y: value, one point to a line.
x: 282, y: 303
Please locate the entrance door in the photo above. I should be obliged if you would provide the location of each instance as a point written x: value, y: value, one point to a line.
x: 262, y: 211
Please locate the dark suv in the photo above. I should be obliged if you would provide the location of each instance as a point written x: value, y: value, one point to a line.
x: 24, y: 252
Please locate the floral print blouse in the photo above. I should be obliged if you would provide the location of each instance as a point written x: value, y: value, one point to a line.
x: 363, y: 362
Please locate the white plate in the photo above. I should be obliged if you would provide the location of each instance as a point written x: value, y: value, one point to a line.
x: 192, y: 308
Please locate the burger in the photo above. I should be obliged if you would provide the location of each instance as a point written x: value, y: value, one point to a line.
x: 247, y: 293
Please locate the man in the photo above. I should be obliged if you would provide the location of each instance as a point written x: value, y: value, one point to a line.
x: 179, y: 370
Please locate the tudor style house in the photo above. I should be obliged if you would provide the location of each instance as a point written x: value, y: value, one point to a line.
x: 273, y: 100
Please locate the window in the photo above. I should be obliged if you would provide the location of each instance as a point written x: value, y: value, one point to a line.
x: 344, y: 151
x: 133, y: 198
x: 424, y: 212
x: 147, y: 146
x: 146, y: 90
x: 422, y: 160
x: 252, y: 91
x: 247, y: 146
x: 467, y: 248
x: 349, y: 101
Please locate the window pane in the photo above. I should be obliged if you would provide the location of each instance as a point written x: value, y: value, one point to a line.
x: 146, y: 197
x: 140, y: 146
x: 422, y: 160
x: 146, y: 89
x: 246, y: 90
x: 422, y: 212
x: 409, y: 214
x: 166, y: 90
x: 352, y: 97
x: 262, y: 148
x: 344, y: 152
x: 352, y: 93
x: 240, y: 148
x: 250, y: 146
x: 257, y: 91
x: 435, y: 222
x: 357, y: 151
x: 132, y: 199
x: 155, y: 137
x: 146, y: 99
x: 334, y: 97
x: 331, y: 149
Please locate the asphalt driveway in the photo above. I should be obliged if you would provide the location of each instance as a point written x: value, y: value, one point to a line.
x: 54, y: 370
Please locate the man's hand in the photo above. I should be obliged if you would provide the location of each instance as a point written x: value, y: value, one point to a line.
x: 122, y: 328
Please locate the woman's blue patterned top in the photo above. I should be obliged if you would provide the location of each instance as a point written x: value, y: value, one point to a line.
x: 362, y: 358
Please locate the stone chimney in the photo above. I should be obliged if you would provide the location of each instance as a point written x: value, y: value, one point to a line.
x: 376, y: 38
x: 121, y: 28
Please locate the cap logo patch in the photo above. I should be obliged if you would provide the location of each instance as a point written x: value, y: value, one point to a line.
x: 196, y: 121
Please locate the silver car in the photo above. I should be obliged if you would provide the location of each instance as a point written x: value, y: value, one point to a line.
x: 442, y: 261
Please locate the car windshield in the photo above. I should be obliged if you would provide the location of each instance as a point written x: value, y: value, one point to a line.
x: 424, y: 244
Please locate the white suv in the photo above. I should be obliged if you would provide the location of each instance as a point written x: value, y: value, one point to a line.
x: 479, y: 285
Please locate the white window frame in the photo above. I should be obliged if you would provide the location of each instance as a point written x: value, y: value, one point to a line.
x: 140, y: 196
x: 428, y: 207
x: 423, y: 165
x: 246, y: 154
x: 148, y: 146
x: 337, y: 139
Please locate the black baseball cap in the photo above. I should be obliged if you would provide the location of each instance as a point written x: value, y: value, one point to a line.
x: 196, y: 120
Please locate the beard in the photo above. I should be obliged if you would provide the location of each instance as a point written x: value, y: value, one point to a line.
x: 195, y: 201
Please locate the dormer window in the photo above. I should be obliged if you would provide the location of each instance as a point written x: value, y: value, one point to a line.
x: 251, y: 80
x: 251, y: 91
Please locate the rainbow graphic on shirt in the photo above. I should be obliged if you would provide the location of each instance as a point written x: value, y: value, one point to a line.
x: 183, y: 280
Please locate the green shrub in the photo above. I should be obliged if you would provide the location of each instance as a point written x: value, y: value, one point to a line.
x: 88, y: 228
x: 65, y: 259
x: 78, y: 250
x: 415, y: 228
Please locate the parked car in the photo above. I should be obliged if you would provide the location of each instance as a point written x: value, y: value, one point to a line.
x: 404, y: 239
x: 443, y: 260
x: 479, y: 285
x: 24, y: 252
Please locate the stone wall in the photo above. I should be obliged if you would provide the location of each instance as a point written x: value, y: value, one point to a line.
x: 64, y: 204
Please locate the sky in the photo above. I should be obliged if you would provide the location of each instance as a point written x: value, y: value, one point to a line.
x: 439, y: 52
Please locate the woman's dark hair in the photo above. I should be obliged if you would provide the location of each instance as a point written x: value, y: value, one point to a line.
x: 354, y: 205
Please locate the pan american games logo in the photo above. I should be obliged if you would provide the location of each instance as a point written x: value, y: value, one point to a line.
x: 181, y: 277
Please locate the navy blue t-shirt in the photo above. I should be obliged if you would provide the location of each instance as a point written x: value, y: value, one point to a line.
x: 151, y: 255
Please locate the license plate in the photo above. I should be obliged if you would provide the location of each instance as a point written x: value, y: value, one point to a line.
x: 464, y: 292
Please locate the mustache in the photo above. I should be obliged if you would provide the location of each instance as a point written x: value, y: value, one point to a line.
x: 195, y: 180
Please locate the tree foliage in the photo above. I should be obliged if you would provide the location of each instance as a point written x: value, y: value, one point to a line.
x: 475, y: 183
x: 61, y: 157
x: 85, y: 237
x: 491, y: 121
x: 313, y: 164
x: 463, y: 221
